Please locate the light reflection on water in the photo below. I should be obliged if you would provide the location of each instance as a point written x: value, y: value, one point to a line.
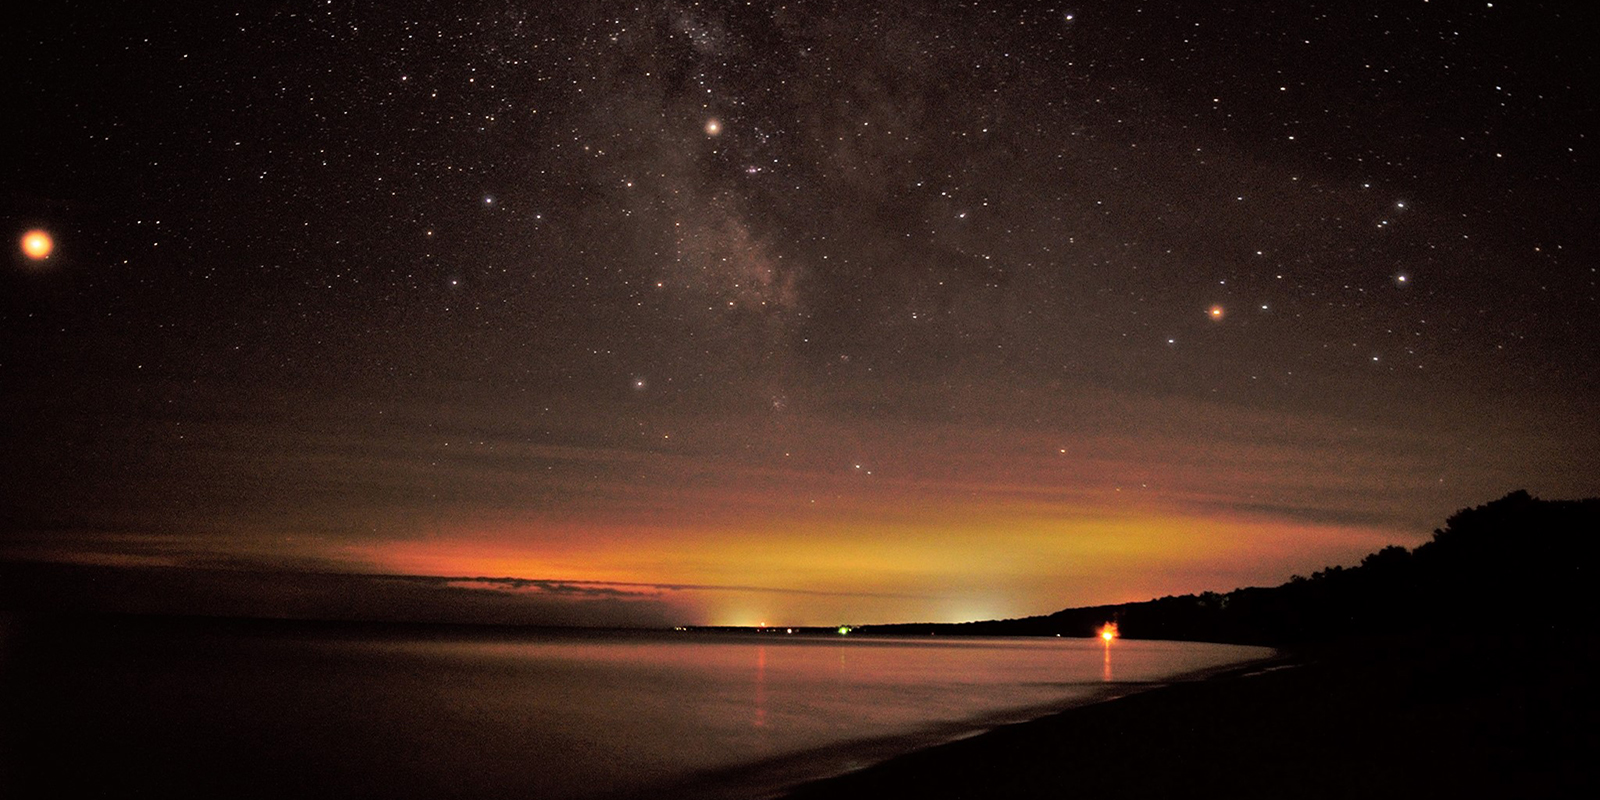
x: 701, y: 702
x: 760, y: 699
x: 564, y: 715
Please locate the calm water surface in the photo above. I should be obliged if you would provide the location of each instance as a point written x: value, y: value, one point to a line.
x: 137, y: 709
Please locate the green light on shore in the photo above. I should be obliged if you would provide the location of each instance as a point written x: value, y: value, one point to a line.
x: 844, y: 629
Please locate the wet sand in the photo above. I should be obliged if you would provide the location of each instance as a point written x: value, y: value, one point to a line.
x: 1467, y: 718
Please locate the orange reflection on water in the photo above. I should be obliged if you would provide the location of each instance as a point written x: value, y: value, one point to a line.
x: 1108, y: 634
x: 760, y: 720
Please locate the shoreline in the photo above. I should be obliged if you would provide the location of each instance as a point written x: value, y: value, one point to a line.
x: 794, y: 774
x: 869, y: 757
x: 130, y: 663
x: 1375, y: 720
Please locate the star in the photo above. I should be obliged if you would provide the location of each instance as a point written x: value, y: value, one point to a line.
x: 1216, y: 312
x: 713, y: 127
x: 37, y: 244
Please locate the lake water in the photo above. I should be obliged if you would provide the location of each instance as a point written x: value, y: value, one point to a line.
x: 125, y: 708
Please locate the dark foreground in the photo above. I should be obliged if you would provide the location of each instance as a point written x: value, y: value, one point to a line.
x: 1513, y: 717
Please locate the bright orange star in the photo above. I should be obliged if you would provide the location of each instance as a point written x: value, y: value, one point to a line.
x: 37, y: 244
x: 1215, y: 312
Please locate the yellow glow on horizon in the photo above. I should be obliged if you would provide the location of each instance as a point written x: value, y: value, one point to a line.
x: 37, y: 244
x: 934, y: 564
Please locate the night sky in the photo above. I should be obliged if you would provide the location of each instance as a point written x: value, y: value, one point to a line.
x: 802, y: 313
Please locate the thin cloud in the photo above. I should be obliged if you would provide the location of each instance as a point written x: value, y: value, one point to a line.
x: 622, y: 588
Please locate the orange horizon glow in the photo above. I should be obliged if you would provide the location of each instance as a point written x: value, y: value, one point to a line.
x: 955, y: 524
x: 943, y: 565
x: 959, y: 562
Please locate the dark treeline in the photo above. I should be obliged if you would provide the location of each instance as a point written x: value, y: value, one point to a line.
x: 1515, y: 562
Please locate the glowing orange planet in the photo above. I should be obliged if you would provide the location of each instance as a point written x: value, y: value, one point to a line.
x: 37, y: 245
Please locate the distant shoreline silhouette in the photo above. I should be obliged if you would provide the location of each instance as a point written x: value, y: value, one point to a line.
x: 1461, y: 668
x: 1515, y: 562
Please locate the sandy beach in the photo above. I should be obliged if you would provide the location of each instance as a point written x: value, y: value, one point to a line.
x: 1471, y: 718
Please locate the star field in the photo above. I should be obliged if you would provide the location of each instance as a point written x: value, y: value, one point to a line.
x: 991, y: 307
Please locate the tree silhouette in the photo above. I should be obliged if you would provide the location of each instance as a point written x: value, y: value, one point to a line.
x: 1517, y: 562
